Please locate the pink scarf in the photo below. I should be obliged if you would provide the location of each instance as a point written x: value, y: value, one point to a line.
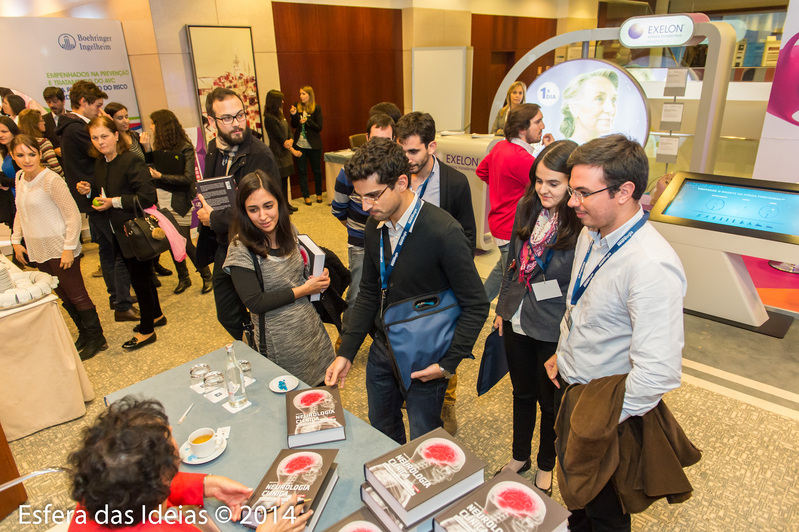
x: 544, y: 233
x: 176, y: 241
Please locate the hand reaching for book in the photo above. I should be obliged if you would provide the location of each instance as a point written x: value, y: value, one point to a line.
x: 286, y: 518
x: 233, y: 494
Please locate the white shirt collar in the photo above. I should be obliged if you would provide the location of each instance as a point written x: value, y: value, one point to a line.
x: 404, y: 218
x: 519, y: 142
x: 85, y: 119
x: 614, y: 237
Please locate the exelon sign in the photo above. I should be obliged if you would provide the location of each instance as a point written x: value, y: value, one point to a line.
x: 658, y: 30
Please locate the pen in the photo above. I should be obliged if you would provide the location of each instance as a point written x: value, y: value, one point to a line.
x: 186, y: 413
x: 302, y: 501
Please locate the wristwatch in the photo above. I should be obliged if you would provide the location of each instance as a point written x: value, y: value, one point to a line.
x: 447, y: 374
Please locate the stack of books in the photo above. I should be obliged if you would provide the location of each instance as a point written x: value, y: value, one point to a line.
x: 309, y: 473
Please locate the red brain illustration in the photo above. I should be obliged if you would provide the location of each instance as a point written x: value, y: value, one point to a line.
x: 312, y: 398
x: 516, y: 501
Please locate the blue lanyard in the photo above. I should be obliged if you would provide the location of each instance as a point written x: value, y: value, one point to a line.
x: 385, y: 272
x: 420, y: 190
x: 579, y: 287
x: 543, y: 265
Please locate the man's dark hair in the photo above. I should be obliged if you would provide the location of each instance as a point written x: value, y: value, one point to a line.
x: 380, y: 121
x: 217, y: 95
x: 86, y: 90
x: 386, y: 108
x: 519, y: 119
x: 16, y: 103
x: 127, y: 459
x: 53, y: 92
x: 380, y: 156
x: 620, y: 158
x: 416, y: 123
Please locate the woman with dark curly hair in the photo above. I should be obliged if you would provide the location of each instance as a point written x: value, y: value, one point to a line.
x: 127, y: 467
x: 175, y: 191
x: 8, y: 169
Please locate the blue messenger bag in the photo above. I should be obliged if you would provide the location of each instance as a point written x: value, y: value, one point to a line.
x: 419, y: 331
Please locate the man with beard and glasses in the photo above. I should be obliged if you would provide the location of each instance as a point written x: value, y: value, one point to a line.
x: 234, y: 152
x: 506, y: 169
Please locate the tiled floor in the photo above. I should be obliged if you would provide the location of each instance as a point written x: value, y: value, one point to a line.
x: 738, y: 403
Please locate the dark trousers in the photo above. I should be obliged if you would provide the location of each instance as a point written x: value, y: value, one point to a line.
x: 115, y: 273
x: 423, y: 402
x: 315, y: 158
x: 526, y: 357
x: 141, y: 278
x: 230, y: 311
x: 70, y: 283
x: 603, y: 514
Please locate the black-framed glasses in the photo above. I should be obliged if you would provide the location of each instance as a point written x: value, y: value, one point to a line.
x: 228, y: 119
x: 582, y: 195
x: 370, y: 198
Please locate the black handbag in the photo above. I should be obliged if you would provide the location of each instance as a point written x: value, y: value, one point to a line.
x: 139, y: 234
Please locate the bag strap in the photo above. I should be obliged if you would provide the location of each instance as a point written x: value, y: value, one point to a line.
x: 261, y: 319
x: 136, y: 204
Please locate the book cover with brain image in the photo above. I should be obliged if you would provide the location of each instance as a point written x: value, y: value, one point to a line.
x: 309, y: 473
x: 314, y: 416
x: 506, y: 503
x: 424, y: 475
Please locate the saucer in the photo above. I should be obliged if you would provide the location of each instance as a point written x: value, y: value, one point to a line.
x: 289, y: 383
x: 188, y: 458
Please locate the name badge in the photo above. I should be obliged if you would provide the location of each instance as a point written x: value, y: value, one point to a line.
x: 546, y: 290
x: 566, y: 323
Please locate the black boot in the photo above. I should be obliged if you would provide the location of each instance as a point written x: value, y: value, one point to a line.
x: 160, y: 270
x: 75, y: 315
x: 95, y: 340
x: 208, y: 283
x: 184, y: 281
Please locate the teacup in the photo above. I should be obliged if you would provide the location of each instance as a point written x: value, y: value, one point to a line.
x: 204, y: 442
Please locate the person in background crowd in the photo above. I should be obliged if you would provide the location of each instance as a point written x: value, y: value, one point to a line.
x: 175, y: 191
x: 8, y: 169
x: 624, y: 316
x: 434, y: 256
x: 386, y: 108
x: 49, y: 221
x: 542, y: 250
x: 506, y: 169
x: 233, y: 152
x: 13, y: 105
x: 280, y: 141
x: 54, y: 98
x: 306, y: 119
x: 121, y: 179
x: 445, y: 187
x: 31, y: 123
x: 517, y: 94
x: 119, y: 113
x: 350, y: 212
x: 127, y: 465
x: 293, y: 335
x: 87, y: 103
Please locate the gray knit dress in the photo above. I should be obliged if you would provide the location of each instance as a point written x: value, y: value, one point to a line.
x: 296, y: 339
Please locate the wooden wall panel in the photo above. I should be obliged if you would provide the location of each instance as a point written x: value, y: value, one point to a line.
x: 498, y: 43
x: 351, y: 56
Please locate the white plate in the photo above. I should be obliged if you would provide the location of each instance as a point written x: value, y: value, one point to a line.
x: 188, y: 458
x: 289, y: 383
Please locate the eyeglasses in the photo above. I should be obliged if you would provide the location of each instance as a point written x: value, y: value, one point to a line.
x: 370, y: 198
x: 582, y: 195
x: 227, y: 119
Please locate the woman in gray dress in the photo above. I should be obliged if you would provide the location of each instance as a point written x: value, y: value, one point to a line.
x: 293, y: 334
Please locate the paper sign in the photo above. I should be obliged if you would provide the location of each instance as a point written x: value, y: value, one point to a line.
x: 676, y: 80
x: 667, y: 150
x: 671, y: 116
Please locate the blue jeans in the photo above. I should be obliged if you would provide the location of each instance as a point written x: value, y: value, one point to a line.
x: 423, y: 402
x: 355, y: 255
x: 494, y: 280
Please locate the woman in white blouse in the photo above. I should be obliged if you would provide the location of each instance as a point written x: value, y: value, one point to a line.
x: 49, y: 221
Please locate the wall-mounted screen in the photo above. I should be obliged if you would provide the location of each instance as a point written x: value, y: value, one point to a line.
x: 762, y: 209
x: 583, y: 99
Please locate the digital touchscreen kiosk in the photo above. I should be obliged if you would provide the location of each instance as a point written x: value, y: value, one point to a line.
x: 761, y: 209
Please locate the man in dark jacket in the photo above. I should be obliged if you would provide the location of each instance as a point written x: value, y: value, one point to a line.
x: 54, y: 98
x: 425, y: 253
x: 234, y: 152
x: 87, y: 101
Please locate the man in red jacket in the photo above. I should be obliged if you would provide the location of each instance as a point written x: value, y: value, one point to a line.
x: 506, y: 169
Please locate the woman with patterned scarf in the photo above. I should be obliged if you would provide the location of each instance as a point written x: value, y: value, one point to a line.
x: 532, y: 302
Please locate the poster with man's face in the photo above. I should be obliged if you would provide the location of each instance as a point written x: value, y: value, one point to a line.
x: 584, y: 99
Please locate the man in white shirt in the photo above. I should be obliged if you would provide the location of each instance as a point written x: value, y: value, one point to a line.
x: 624, y: 310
